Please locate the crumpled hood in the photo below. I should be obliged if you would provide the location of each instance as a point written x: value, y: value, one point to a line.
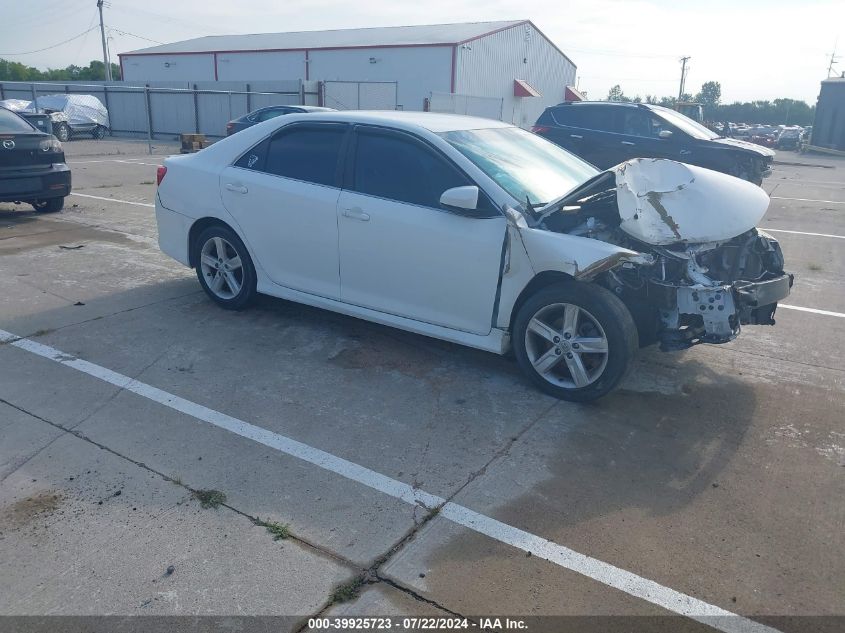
x: 740, y: 144
x: 664, y: 202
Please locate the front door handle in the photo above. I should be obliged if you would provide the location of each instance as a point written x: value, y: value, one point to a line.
x: 236, y: 188
x: 627, y: 143
x: 356, y: 214
x: 685, y: 152
x: 575, y: 136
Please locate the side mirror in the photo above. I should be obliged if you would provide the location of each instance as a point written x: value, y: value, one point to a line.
x: 461, y: 198
x: 665, y: 134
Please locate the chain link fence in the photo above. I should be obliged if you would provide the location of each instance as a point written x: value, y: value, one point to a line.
x: 486, y: 107
x: 360, y: 95
x: 167, y: 109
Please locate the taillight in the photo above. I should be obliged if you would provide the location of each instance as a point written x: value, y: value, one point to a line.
x: 160, y: 173
x: 229, y: 128
x: 540, y: 129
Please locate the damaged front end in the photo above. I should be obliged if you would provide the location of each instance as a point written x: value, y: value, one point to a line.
x: 705, y: 270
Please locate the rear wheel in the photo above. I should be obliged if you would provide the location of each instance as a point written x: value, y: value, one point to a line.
x: 98, y: 132
x: 50, y: 205
x: 575, y: 341
x: 224, y: 268
x: 62, y: 132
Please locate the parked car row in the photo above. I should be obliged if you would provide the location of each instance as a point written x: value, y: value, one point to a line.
x: 64, y: 115
x: 32, y: 165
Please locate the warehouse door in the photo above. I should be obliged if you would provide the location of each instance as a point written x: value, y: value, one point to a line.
x: 359, y: 95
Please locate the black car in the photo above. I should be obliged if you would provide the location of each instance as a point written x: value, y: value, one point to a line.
x: 32, y: 165
x: 265, y: 114
x: 608, y: 133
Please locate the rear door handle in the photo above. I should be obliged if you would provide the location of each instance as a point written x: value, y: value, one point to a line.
x: 685, y: 152
x: 575, y: 136
x: 236, y: 188
x: 356, y: 214
x: 627, y: 143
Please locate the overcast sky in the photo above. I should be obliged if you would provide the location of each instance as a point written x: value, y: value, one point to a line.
x: 757, y: 49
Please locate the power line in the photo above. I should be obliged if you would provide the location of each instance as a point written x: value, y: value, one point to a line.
x: 53, y: 46
x: 618, y: 54
x: 140, y: 37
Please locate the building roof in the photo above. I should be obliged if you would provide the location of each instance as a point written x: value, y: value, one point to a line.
x: 425, y: 35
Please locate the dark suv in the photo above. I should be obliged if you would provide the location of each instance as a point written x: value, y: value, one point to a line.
x: 608, y: 133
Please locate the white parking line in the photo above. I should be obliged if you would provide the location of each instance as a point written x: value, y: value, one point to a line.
x: 808, y: 200
x: 841, y: 315
x: 768, y: 230
x: 137, y: 204
x: 127, y: 161
x: 598, y: 570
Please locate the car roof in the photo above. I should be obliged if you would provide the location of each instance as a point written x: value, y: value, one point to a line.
x: 431, y: 121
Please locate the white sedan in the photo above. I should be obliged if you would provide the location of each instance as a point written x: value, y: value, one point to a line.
x: 475, y: 232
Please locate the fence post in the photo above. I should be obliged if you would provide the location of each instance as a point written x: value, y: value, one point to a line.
x: 196, y: 111
x: 34, y: 96
x: 230, y: 105
x: 108, y: 108
x: 2, y: 92
x: 301, y: 92
x: 320, y: 88
x: 248, y: 98
x: 149, y: 118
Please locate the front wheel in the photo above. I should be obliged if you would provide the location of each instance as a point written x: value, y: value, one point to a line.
x: 98, y: 132
x: 50, y: 205
x: 224, y: 268
x: 574, y: 340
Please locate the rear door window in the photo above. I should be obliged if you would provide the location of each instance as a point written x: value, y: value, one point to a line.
x: 309, y: 153
x: 586, y: 117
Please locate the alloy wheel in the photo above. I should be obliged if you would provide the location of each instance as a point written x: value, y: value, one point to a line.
x: 566, y: 345
x: 221, y: 268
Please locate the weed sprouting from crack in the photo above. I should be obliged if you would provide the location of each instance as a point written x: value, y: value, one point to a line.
x: 348, y: 590
x: 209, y: 498
x: 280, y: 531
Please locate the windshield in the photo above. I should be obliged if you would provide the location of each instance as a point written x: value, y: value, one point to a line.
x: 685, y: 124
x: 528, y: 167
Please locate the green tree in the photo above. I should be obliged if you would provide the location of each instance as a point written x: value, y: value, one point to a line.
x: 709, y: 96
x: 95, y: 71
x: 616, y: 94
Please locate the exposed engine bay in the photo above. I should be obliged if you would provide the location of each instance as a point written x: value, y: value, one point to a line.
x: 706, y: 272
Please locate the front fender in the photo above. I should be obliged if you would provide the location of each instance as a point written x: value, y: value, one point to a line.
x: 579, y: 257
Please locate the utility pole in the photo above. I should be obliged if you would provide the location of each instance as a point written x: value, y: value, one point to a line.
x: 684, y: 61
x: 106, y: 60
x: 833, y: 58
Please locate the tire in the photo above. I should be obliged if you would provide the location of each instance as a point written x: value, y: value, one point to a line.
x: 62, y: 132
x: 546, y: 353
x: 230, y: 280
x: 48, y: 205
x: 98, y: 132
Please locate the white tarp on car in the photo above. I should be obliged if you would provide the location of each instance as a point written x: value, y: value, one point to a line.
x: 80, y: 109
x: 15, y: 105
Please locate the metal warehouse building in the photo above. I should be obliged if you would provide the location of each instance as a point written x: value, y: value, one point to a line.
x: 508, y: 70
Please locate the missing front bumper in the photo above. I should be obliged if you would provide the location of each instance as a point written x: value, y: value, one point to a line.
x: 715, y: 314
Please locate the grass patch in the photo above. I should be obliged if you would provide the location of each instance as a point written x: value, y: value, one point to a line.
x: 348, y: 591
x: 209, y: 498
x: 280, y: 531
x: 815, y: 266
x: 147, y: 182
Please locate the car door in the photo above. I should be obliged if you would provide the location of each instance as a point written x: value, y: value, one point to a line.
x: 401, y: 252
x: 283, y: 194
x: 643, y: 135
x: 580, y: 129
